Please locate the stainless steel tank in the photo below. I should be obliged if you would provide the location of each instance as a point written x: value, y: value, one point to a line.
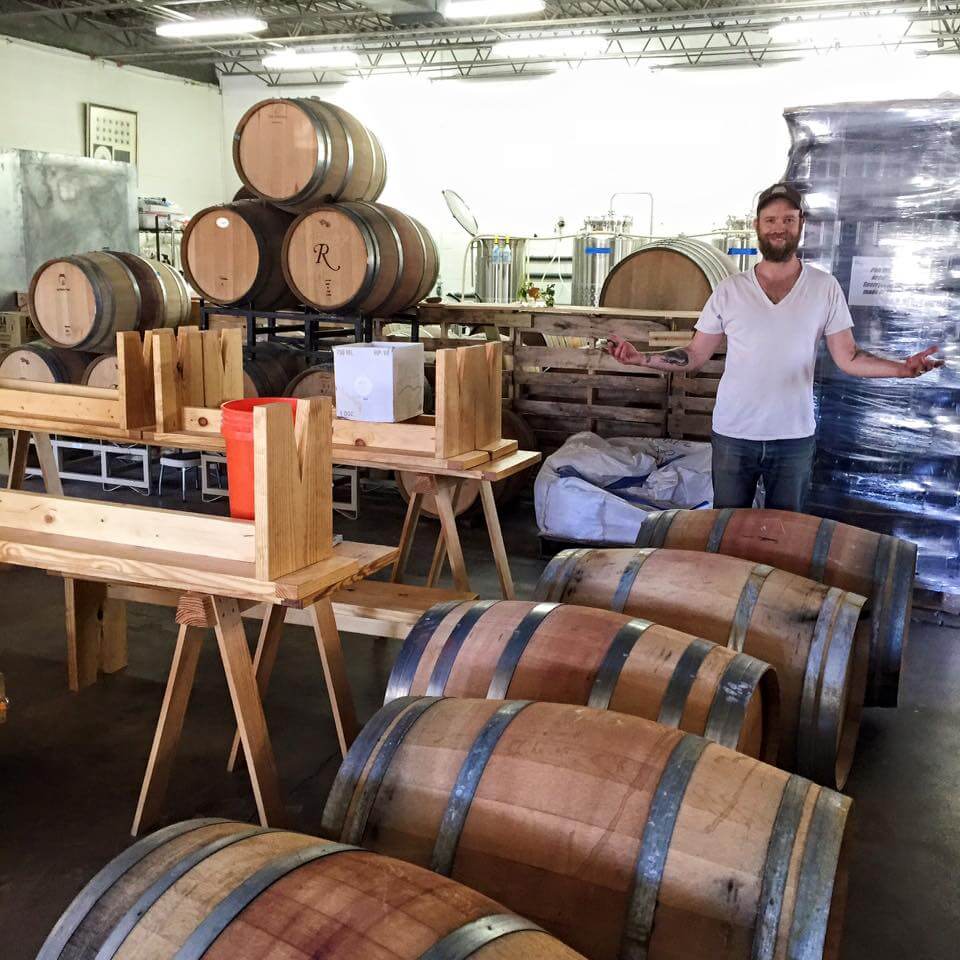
x: 498, y: 282
x: 600, y: 244
x: 740, y: 242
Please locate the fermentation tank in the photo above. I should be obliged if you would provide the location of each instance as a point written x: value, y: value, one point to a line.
x: 600, y: 244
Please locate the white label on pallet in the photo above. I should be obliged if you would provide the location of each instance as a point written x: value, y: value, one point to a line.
x: 871, y: 282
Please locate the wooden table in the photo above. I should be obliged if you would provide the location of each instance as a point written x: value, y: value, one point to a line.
x: 212, y: 594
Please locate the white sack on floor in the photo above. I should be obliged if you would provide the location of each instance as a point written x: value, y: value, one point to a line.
x: 600, y: 490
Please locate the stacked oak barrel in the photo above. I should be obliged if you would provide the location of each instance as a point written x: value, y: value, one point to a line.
x: 79, y: 304
x: 642, y: 762
x: 311, y: 231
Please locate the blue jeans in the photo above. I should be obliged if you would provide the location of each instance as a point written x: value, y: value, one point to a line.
x: 785, y: 466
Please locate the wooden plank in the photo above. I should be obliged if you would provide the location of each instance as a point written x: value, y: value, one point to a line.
x: 128, y: 525
x: 595, y: 412
x: 190, y: 367
x: 444, y: 491
x: 18, y: 459
x: 502, y: 448
x: 264, y: 658
x: 410, y: 521
x: 212, y: 368
x: 292, y: 486
x: 574, y: 358
x: 88, y: 559
x: 694, y: 386
x: 248, y: 709
x: 202, y: 420
x: 635, y: 329
x: 447, y: 401
x: 688, y: 404
x: 49, y: 468
x: 166, y: 392
x: 72, y: 390
x: 500, y: 559
x: 71, y: 428
x: 231, y: 354
x: 61, y: 407
x: 402, y: 438
x: 166, y: 738
x: 334, y: 673
x: 82, y: 604
x: 471, y: 387
x: 489, y: 419
x: 135, y: 379
x: 652, y: 384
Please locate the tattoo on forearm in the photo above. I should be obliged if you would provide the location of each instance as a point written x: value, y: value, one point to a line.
x: 676, y: 358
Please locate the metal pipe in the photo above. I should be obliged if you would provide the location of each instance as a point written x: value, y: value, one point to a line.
x: 634, y: 193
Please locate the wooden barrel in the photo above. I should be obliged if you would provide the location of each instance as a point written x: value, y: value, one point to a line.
x: 316, y: 381
x: 102, y: 371
x: 229, y: 891
x: 620, y: 836
x: 814, y: 636
x: 300, y: 152
x: 514, y: 649
x: 164, y: 297
x: 363, y: 257
x: 512, y: 427
x: 82, y: 302
x: 675, y: 274
x: 875, y: 565
x: 231, y: 254
x: 44, y: 364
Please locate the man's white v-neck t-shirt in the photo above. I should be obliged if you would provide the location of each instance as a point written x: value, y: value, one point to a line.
x: 766, y: 391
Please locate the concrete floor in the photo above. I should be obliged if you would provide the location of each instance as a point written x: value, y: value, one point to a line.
x: 71, y: 765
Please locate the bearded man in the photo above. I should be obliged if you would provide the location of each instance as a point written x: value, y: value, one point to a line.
x: 773, y: 317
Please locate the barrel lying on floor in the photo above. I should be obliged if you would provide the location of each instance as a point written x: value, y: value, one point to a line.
x: 811, y: 634
x: 618, y: 835
x: 875, y: 565
x: 567, y: 654
x: 228, y: 891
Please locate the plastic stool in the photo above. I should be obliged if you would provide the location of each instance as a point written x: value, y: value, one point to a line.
x: 183, y: 461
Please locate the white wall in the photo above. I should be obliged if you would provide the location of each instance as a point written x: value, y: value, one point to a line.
x: 42, y: 96
x: 524, y: 152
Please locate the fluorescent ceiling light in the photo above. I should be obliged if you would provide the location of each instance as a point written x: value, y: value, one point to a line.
x: 549, y: 47
x: 310, y: 60
x: 851, y: 30
x: 463, y: 9
x: 228, y: 27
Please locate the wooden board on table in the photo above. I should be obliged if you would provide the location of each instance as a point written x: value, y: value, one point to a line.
x: 95, y: 559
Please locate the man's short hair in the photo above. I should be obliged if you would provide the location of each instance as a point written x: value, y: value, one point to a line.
x: 780, y: 191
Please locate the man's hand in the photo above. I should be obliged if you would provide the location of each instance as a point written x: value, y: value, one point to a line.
x: 920, y: 363
x: 623, y: 351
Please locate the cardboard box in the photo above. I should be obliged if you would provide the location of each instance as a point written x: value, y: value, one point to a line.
x: 16, y: 328
x: 379, y: 382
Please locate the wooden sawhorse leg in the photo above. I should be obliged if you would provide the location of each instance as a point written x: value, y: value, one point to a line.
x: 166, y: 739
x: 446, y: 490
x: 496, y: 540
x: 410, y: 522
x: 45, y: 454
x: 96, y: 632
x: 224, y: 615
x: 331, y: 659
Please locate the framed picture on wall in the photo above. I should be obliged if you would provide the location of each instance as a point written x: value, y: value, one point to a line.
x: 111, y: 134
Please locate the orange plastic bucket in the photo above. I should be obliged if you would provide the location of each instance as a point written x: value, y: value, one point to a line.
x: 237, y: 430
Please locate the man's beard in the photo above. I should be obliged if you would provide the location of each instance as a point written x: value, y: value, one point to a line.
x: 778, y: 254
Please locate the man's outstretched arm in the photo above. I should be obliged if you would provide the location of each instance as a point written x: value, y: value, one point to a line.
x: 860, y: 363
x: 678, y: 360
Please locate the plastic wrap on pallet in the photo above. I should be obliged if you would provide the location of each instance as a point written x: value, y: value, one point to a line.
x: 881, y: 182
